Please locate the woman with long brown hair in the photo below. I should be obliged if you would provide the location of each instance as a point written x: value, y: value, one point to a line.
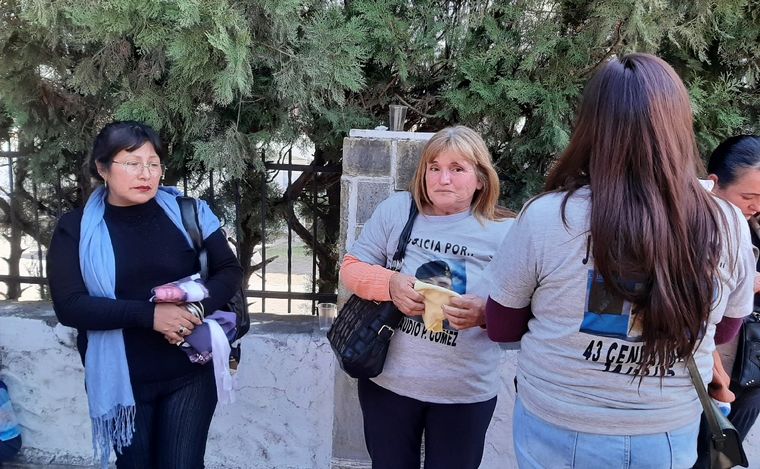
x: 619, y: 272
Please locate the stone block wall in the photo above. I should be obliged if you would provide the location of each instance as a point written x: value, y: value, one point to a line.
x: 375, y: 164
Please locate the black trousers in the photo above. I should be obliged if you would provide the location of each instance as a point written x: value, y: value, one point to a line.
x: 9, y: 448
x: 744, y: 413
x: 172, y: 419
x: 394, y: 425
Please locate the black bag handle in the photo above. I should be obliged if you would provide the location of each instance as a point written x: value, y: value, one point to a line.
x: 406, y: 234
x: 707, y: 406
x: 189, y: 212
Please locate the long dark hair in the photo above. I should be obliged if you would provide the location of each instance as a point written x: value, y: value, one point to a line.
x: 651, y: 222
x: 733, y: 156
x: 118, y: 136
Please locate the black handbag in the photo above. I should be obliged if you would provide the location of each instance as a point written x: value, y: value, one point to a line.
x: 726, y: 449
x: 746, y: 371
x: 363, y: 329
x: 237, y: 304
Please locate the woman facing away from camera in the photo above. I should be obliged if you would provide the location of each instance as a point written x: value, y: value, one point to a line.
x: 146, y: 398
x: 734, y: 172
x: 442, y: 384
x: 616, y: 275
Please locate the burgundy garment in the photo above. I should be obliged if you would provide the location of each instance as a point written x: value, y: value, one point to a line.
x: 727, y: 329
x: 506, y: 324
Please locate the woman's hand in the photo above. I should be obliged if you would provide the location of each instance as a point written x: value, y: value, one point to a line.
x: 465, y: 311
x: 757, y: 282
x: 718, y: 388
x: 173, y: 321
x: 406, y: 299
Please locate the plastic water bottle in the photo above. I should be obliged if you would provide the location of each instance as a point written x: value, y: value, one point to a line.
x: 724, y: 407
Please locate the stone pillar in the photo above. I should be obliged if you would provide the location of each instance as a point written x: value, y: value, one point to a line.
x: 375, y: 164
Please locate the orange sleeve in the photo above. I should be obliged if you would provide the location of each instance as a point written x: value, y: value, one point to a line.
x: 368, y: 281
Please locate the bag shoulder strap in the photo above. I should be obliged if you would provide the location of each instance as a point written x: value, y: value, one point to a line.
x: 406, y: 234
x: 707, y: 406
x: 189, y: 211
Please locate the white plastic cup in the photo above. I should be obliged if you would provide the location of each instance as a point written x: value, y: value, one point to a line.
x: 724, y: 407
x: 327, y: 313
x: 396, y: 117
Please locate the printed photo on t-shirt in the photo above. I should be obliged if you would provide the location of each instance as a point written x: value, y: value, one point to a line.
x: 446, y: 273
x: 607, y: 314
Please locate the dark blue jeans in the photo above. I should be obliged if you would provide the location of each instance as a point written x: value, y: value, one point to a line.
x: 394, y: 424
x: 8, y: 449
x: 171, y: 423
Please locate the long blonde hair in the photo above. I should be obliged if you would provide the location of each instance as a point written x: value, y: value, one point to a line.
x: 469, y: 144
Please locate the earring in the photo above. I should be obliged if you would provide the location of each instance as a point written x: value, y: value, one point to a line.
x: 105, y: 183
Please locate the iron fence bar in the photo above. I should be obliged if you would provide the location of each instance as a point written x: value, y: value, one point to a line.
x: 58, y: 193
x: 23, y: 279
x: 302, y: 167
x: 283, y: 295
x: 238, y: 227
x: 314, y: 220
x: 40, y: 268
x: 290, y: 224
x: 212, y: 202
x: 12, y: 215
x: 263, y: 237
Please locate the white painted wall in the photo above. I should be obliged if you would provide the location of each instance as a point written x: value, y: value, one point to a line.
x: 283, y: 416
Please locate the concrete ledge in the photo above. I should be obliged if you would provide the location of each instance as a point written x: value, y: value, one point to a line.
x: 389, y: 134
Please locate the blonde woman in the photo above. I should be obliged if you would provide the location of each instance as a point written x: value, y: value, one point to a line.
x: 441, y: 384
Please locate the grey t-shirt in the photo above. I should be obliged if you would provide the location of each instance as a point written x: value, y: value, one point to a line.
x: 579, y: 360
x: 451, y: 251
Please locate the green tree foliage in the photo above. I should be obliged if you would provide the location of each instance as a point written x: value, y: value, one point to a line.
x: 514, y: 70
x: 222, y: 80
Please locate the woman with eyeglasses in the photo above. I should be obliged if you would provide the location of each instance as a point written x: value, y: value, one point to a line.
x: 734, y: 175
x: 147, y: 400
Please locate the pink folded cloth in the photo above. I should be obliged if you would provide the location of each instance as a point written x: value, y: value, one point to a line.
x: 185, y: 290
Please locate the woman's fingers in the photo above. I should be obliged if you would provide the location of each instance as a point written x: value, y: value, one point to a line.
x: 173, y: 321
x: 464, y: 312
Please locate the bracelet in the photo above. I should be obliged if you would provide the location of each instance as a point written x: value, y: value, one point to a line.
x: 196, y: 309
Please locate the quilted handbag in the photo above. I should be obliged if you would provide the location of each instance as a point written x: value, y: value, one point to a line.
x: 746, y: 372
x: 363, y: 329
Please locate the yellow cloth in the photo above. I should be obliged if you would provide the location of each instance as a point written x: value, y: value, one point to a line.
x: 435, y: 297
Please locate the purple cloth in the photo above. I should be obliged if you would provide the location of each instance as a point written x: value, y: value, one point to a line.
x: 506, y: 324
x: 186, y: 290
x: 197, y: 345
x: 727, y: 329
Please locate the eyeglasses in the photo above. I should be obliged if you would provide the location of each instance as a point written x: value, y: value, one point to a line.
x: 135, y: 168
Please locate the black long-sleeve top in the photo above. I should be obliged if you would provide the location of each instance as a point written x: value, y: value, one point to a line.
x: 149, y: 251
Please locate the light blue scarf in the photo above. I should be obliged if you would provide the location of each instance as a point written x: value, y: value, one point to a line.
x: 109, y: 390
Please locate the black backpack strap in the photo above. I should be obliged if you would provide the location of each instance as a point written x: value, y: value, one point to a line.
x: 189, y: 211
